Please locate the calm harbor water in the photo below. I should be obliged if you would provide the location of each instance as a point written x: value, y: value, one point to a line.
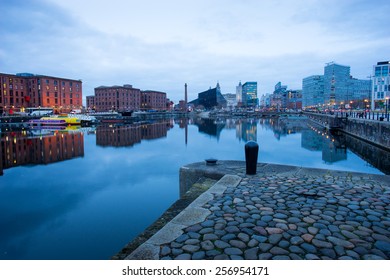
x: 85, y: 193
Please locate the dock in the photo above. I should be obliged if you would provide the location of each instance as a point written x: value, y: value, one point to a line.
x: 281, y: 213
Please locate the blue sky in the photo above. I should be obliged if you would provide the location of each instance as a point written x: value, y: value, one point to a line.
x: 161, y: 45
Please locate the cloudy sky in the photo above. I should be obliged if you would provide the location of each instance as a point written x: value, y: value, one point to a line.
x: 161, y: 45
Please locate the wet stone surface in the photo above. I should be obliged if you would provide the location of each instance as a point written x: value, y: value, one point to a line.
x: 302, y: 217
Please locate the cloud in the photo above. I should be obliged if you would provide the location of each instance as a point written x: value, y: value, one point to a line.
x: 163, y: 44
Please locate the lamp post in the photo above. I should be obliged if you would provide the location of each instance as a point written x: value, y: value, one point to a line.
x: 387, y: 105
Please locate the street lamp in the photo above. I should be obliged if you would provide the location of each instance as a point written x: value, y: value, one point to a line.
x: 387, y: 105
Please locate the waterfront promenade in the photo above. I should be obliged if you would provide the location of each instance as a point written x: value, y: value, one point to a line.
x: 281, y: 213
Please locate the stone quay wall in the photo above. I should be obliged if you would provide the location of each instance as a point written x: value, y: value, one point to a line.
x: 373, y: 131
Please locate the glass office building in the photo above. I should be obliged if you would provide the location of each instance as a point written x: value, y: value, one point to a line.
x: 380, y: 84
x: 249, y: 89
x: 313, y: 91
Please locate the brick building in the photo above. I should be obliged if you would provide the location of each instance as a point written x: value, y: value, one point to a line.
x: 28, y: 90
x: 126, y: 98
x: 154, y: 100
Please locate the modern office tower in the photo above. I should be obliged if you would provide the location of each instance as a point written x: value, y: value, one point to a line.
x: 240, y: 99
x: 279, y: 96
x: 335, y: 89
x: 337, y: 84
x: 380, y: 85
x: 28, y: 90
x: 313, y: 91
x: 249, y: 89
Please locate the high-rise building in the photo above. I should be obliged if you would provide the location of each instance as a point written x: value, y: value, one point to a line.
x: 380, y: 84
x: 336, y: 83
x: 249, y: 90
x: 313, y: 91
x: 28, y: 90
x: 336, y: 88
x: 279, y: 96
x: 239, y: 97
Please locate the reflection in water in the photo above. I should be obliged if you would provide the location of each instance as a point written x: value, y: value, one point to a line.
x: 129, y: 188
x: 370, y: 153
x: 333, y: 147
x: 39, y: 146
x: 210, y: 127
x: 128, y: 135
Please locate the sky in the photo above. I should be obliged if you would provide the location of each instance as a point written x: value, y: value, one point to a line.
x: 161, y: 45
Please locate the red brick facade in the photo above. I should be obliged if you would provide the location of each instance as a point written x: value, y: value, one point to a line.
x: 126, y: 98
x: 26, y: 90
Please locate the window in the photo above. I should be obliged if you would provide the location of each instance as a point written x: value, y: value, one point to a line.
x: 385, y: 70
x: 48, y: 101
x: 377, y: 71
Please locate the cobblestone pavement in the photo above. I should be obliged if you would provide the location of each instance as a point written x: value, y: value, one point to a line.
x: 283, y: 217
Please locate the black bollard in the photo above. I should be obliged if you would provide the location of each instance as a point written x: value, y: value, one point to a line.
x: 251, y: 152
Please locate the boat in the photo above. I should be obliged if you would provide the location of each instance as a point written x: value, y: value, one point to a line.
x: 69, y: 120
x: 73, y: 119
x: 48, y: 122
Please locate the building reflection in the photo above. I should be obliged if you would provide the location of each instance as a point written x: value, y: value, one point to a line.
x: 39, y: 147
x: 212, y: 127
x: 128, y: 135
x: 246, y: 130
x: 333, y: 147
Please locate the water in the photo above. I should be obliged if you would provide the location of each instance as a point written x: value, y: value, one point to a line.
x: 84, y: 194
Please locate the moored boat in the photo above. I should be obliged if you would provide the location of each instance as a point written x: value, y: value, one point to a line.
x: 48, y: 122
x: 69, y: 120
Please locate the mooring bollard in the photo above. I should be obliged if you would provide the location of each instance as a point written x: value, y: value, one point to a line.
x: 251, y: 152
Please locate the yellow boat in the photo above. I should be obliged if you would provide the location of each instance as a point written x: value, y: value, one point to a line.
x: 69, y: 120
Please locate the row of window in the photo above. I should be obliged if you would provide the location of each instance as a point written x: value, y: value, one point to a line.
x: 381, y: 71
x: 63, y: 94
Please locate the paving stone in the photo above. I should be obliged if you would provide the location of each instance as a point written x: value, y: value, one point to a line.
x: 210, y: 236
x: 207, y: 245
x: 190, y: 248
x: 237, y: 244
x: 199, y: 255
x: 243, y: 237
x: 281, y: 257
x: 183, y: 257
x: 265, y: 256
x: 321, y: 244
x: 383, y: 245
x: 192, y: 241
x: 251, y: 254
x: 278, y: 251
x: 311, y: 257
x: 165, y: 250
x: 296, y: 240
x: 272, y: 230
x: 274, y: 238
x: 232, y: 251
x: 341, y: 242
x: 221, y: 257
x: 264, y: 247
x: 228, y: 237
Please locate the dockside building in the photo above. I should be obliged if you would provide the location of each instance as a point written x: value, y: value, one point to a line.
x: 24, y: 90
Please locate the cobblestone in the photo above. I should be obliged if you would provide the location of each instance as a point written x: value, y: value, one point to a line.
x: 285, y: 216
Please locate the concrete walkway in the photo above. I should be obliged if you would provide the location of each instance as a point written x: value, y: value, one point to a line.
x: 282, y: 212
